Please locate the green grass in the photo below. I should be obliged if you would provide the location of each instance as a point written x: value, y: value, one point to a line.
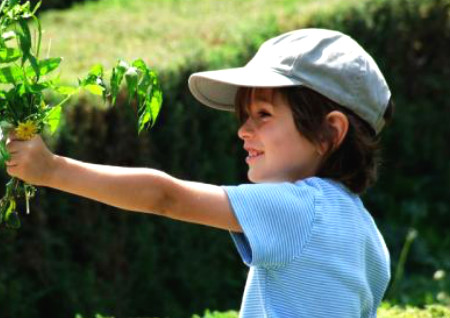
x: 165, y: 33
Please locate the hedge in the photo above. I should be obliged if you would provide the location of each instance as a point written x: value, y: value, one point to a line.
x: 74, y: 255
x: 56, y: 4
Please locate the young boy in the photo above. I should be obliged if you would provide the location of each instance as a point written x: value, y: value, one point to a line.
x: 312, y: 103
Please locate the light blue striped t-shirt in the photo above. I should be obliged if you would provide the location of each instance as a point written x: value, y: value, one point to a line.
x: 313, y: 251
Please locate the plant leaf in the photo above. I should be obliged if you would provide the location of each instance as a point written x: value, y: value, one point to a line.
x: 116, y: 79
x: 10, y: 74
x: 131, y: 77
x: 48, y: 65
x: 96, y: 70
x: 8, y: 55
x: 8, y: 35
x: 94, y: 89
x: 149, y: 96
x: 66, y: 90
x: 13, y: 74
x: 53, y: 118
x: 4, y: 154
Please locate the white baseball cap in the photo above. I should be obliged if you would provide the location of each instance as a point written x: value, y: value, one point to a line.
x: 326, y: 61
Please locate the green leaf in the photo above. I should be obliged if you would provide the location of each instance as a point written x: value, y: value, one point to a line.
x: 93, y: 82
x: 37, y: 88
x: 96, y: 70
x: 12, y: 220
x: 53, y: 118
x: 24, y: 40
x: 34, y: 65
x: 94, y: 76
x: 8, y: 35
x: 36, y: 7
x: 11, y: 216
x: 150, y: 110
x: 116, y: 79
x: 10, y: 75
x: 94, y: 89
x: 65, y: 90
x: 14, y: 74
x: 8, y: 55
x: 149, y: 96
x: 131, y: 77
x: 4, y: 154
x: 48, y: 65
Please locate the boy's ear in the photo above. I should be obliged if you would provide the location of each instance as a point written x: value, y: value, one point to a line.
x: 338, y: 122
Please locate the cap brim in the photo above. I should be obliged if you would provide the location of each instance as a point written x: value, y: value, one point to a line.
x: 218, y: 89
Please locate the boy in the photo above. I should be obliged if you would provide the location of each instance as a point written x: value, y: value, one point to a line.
x: 311, y: 103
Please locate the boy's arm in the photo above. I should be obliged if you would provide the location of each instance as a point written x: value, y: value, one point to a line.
x: 136, y: 189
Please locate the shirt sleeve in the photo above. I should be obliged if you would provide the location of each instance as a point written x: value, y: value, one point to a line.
x: 276, y: 219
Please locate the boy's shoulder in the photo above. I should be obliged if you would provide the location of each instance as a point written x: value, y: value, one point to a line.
x: 325, y: 185
x: 314, y: 185
x: 314, y: 190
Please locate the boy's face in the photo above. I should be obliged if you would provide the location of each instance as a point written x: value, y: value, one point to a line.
x: 277, y: 150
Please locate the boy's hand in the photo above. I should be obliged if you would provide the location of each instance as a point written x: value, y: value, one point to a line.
x: 31, y: 161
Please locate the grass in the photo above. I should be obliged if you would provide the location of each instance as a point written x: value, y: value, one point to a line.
x: 165, y: 33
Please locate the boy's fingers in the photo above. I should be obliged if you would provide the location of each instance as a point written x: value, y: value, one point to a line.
x: 10, y: 163
x: 11, y: 146
x: 12, y: 135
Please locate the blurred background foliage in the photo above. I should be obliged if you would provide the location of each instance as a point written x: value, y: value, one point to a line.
x: 78, y: 256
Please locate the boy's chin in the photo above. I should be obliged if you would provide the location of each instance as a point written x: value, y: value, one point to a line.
x: 258, y: 178
x: 255, y: 177
x: 252, y: 177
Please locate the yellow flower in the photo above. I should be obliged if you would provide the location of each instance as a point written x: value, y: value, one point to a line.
x: 26, y: 130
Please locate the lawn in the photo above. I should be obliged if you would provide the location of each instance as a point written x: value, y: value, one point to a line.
x: 165, y: 33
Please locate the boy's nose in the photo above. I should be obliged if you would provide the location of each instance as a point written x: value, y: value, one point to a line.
x: 246, y: 129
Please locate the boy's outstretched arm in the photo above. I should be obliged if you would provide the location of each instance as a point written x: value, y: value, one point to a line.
x: 135, y: 189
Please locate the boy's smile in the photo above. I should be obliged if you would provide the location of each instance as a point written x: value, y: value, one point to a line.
x: 276, y: 150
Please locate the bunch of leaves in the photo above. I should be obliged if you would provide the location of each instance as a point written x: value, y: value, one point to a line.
x: 24, y: 77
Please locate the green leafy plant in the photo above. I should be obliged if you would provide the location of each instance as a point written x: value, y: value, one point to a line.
x: 24, y: 77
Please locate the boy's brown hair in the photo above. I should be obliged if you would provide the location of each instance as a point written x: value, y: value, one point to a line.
x: 355, y: 162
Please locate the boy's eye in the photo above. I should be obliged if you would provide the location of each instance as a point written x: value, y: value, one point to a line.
x: 262, y: 114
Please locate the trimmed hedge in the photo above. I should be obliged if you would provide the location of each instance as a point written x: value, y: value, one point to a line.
x: 56, y: 4
x: 74, y: 255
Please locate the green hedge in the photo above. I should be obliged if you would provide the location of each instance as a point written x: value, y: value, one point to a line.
x: 410, y: 40
x: 56, y: 4
x: 74, y: 255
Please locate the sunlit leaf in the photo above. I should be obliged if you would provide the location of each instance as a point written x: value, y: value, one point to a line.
x: 96, y: 70
x: 65, y: 90
x: 8, y: 55
x: 12, y: 220
x: 48, y: 65
x: 149, y: 96
x: 10, y: 74
x: 37, y: 88
x: 8, y: 35
x: 25, y: 39
x: 116, y: 79
x: 131, y: 77
x: 94, y: 89
x: 53, y: 118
